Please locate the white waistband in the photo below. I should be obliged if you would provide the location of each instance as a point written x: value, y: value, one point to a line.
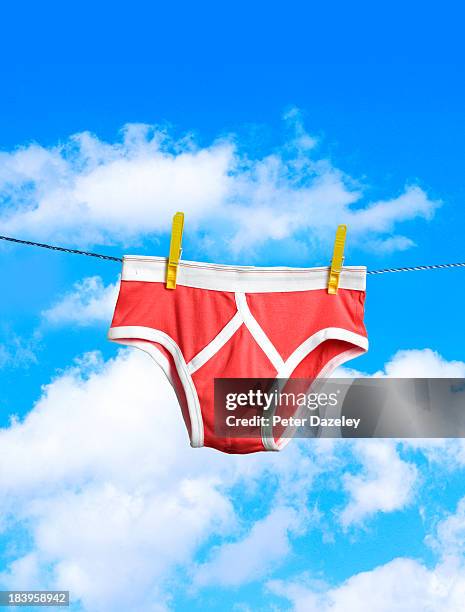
x: 245, y: 279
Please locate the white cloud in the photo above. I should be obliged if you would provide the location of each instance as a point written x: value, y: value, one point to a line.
x: 383, y: 215
x: 401, y: 585
x: 23, y: 571
x: 385, y: 483
x: 423, y: 363
x: 101, y: 476
x: 449, y: 539
x: 89, y: 191
x: 90, y: 301
x: 411, y: 363
x: 391, y: 245
x: 250, y: 558
x: 114, y: 502
x: 18, y: 352
x: 4, y: 355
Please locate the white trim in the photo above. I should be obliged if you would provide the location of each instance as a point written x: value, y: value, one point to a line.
x: 328, y: 333
x: 338, y: 360
x: 154, y: 353
x: 326, y: 371
x: 159, y: 358
x: 135, y: 332
x: 257, y: 332
x: 216, y: 344
x: 242, y: 279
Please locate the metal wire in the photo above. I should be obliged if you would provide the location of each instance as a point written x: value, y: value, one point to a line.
x: 416, y: 268
x: 62, y: 249
x: 120, y: 259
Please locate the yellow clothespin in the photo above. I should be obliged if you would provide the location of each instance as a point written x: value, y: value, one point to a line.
x: 175, y: 250
x: 338, y: 259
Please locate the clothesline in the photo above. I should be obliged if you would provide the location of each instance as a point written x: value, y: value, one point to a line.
x: 119, y: 259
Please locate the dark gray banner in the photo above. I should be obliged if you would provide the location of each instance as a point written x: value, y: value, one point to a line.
x: 340, y: 408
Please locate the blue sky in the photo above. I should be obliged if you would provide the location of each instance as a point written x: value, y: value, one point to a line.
x: 354, y: 111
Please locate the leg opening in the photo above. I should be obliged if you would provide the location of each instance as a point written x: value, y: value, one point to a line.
x: 167, y: 355
x: 317, y: 363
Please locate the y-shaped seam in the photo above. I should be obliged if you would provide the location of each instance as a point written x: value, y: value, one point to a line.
x: 284, y: 369
x: 216, y: 344
x: 257, y: 332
